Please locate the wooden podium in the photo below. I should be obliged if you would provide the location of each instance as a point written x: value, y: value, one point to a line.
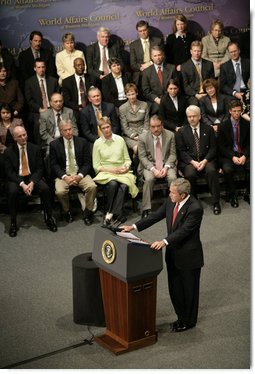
x: 128, y: 276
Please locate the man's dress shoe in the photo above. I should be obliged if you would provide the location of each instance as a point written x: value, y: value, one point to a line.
x: 13, y: 230
x: 145, y: 213
x: 246, y: 197
x: 174, y: 324
x: 216, y: 209
x: 180, y: 327
x: 234, y: 202
x: 88, y: 221
x: 50, y: 222
x: 68, y: 217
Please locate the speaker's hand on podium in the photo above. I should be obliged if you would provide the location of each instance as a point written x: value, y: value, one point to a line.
x: 158, y: 245
x: 126, y: 228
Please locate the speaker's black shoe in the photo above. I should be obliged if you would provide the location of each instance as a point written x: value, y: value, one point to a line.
x: 182, y: 327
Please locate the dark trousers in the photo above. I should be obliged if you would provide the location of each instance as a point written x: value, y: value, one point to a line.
x: 211, y: 176
x: 116, y: 193
x: 41, y: 188
x: 183, y: 287
x: 229, y: 169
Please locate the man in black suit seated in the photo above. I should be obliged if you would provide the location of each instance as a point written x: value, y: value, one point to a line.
x: 196, y: 154
x: 234, y: 73
x: 155, y: 79
x: 38, y: 91
x: 140, y: 58
x: 184, y: 253
x: 24, y: 171
x: 98, y: 54
x: 75, y: 89
x: 28, y: 56
x: 95, y: 110
x: 71, y: 166
x: 113, y: 84
x: 234, y: 147
x: 194, y: 72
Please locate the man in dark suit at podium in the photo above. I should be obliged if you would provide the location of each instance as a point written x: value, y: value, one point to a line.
x: 184, y: 253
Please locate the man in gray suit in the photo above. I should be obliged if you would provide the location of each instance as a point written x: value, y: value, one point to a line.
x: 157, y: 156
x: 50, y: 119
x: 155, y: 79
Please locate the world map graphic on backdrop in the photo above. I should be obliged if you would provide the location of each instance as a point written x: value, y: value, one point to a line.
x: 56, y: 17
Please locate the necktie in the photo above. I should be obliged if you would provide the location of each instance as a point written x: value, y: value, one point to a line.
x: 82, y: 93
x: 238, y: 78
x: 71, y: 168
x: 146, y: 55
x: 197, y: 144
x: 104, y: 61
x: 175, y: 212
x: 160, y: 76
x: 24, y: 163
x: 237, y: 138
x: 36, y: 54
x: 99, y: 116
x: 159, y: 163
x: 57, y: 133
x: 44, y: 97
x: 201, y: 90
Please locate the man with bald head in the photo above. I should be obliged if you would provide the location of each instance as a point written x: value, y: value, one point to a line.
x: 24, y: 171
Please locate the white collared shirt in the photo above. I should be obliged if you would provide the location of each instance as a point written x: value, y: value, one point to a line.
x: 120, y: 88
x: 175, y: 101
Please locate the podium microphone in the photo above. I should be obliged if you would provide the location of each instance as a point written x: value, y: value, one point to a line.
x: 115, y: 226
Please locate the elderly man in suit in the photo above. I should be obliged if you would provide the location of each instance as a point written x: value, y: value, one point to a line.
x: 184, y: 252
x: 98, y: 54
x: 50, y: 119
x: 71, y: 166
x: 197, y: 152
x: 194, y: 72
x: 24, y: 171
x: 28, y: 56
x: 38, y: 90
x: 157, y: 156
x: 75, y: 89
x: 235, y: 73
x: 95, y: 110
x: 155, y: 79
x: 140, y: 51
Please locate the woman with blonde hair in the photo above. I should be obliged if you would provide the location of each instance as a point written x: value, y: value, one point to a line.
x: 65, y: 59
x: 111, y: 163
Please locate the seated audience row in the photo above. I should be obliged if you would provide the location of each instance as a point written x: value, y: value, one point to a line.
x: 194, y: 146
